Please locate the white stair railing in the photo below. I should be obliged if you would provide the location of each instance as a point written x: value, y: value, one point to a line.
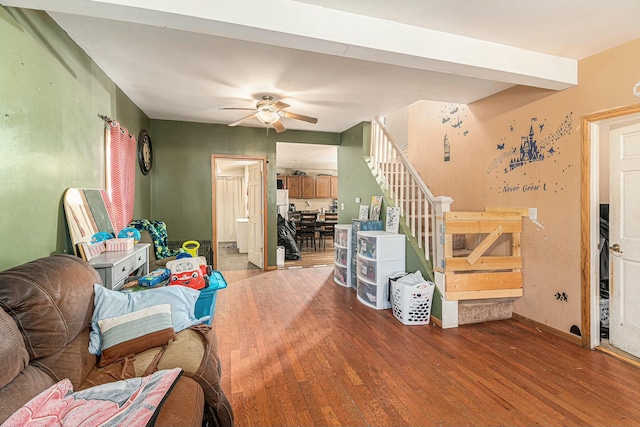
x: 406, y: 188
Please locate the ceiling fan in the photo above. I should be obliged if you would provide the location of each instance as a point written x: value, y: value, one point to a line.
x: 270, y: 112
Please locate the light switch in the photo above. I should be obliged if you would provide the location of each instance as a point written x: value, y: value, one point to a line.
x: 533, y: 214
x: 357, y: 199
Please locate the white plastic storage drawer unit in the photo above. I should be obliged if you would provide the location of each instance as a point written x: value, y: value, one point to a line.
x: 342, y: 258
x: 380, y: 256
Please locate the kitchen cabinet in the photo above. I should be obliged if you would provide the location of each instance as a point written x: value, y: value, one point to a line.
x: 294, y: 186
x: 308, y: 184
x: 333, y: 193
x: 311, y: 187
x: 323, y: 187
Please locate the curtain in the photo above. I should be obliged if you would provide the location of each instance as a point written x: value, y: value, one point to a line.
x: 230, y: 204
x: 121, y: 175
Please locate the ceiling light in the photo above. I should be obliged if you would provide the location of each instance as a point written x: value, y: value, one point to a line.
x: 267, y: 117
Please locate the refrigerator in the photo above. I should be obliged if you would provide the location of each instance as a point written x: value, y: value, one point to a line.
x: 283, y: 203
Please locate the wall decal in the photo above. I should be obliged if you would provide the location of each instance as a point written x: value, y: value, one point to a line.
x: 452, y: 117
x: 536, y: 144
x: 447, y: 148
x: 562, y: 296
x: 529, y: 152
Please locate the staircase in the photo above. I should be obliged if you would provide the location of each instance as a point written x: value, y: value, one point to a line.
x: 472, y: 289
x: 402, y: 184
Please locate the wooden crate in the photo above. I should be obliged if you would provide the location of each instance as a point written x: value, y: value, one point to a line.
x: 476, y: 275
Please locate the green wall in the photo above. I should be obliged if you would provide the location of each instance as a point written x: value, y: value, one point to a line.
x: 181, y: 182
x: 50, y: 135
x: 355, y: 180
x: 51, y: 139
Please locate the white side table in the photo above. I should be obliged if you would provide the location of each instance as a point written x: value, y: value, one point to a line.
x: 115, y: 267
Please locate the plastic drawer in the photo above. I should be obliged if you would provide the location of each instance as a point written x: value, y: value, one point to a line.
x: 368, y: 269
x: 380, y: 245
x: 341, y: 256
x: 340, y: 275
x: 342, y: 235
x: 374, y: 296
x: 378, y: 272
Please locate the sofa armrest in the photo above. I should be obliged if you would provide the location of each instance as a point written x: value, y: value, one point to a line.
x: 184, y: 406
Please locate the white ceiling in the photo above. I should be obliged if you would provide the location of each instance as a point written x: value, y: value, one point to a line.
x: 340, y: 61
x: 306, y: 156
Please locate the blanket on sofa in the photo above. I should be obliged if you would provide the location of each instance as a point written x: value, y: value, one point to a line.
x: 132, y: 402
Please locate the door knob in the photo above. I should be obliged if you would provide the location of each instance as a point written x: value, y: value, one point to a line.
x: 615, y: 248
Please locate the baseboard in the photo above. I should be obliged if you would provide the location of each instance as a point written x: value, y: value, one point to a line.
x: 548, y: 329
x: 436, y: 321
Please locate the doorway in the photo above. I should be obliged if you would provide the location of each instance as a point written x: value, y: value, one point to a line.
x: 303, y: 170
x: 596, y: 199
x: 238, y: 212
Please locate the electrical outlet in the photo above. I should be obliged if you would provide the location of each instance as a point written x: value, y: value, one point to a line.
x: 533, y: 214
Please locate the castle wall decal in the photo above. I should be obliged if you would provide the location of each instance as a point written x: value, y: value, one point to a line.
x: 528, y: 152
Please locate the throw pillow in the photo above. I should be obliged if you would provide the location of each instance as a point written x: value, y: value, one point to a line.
x: 108, y: 303
x: 135, y: 332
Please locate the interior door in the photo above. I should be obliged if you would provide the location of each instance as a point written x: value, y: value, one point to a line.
x: 256, y: 229
x: 624, y: 238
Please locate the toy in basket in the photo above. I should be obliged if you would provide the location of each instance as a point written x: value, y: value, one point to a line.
x: 411, y: 298
x: 154, y: 278
x: 188, y: 271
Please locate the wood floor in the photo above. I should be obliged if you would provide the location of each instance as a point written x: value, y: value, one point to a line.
x: 322, y: 255
x: 297, y: 349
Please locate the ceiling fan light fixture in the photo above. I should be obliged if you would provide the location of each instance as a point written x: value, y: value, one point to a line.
x: 267, y: 117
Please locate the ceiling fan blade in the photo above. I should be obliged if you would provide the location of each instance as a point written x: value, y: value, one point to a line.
x: 279, y: 105
x: 278, y: 126
x: 237, y: 108
x: 300, y: 117
x: 237, y: 122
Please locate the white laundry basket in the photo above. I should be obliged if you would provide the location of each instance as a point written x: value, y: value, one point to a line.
x: 411, y: 299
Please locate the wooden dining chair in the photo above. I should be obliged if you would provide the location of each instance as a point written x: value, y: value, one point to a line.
x: 330, y: 221
x: 307, y: 229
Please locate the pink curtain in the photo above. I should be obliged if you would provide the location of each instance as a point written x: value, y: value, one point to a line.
x: 121, y: 176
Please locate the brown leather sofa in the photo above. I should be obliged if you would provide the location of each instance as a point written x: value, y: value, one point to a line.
x: 47, y: 306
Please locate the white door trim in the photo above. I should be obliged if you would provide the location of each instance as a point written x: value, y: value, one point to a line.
x: 595, y: 126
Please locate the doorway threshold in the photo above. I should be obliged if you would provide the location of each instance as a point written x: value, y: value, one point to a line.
x: 607, y: 348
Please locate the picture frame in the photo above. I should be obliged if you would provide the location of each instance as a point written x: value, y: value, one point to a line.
x: 393, y: 219
x: 376, y: 206
x: 364, y: 212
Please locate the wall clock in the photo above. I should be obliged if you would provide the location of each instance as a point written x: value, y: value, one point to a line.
x: 145, y: 152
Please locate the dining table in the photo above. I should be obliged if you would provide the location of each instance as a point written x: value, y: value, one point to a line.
x: 296, y: 218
